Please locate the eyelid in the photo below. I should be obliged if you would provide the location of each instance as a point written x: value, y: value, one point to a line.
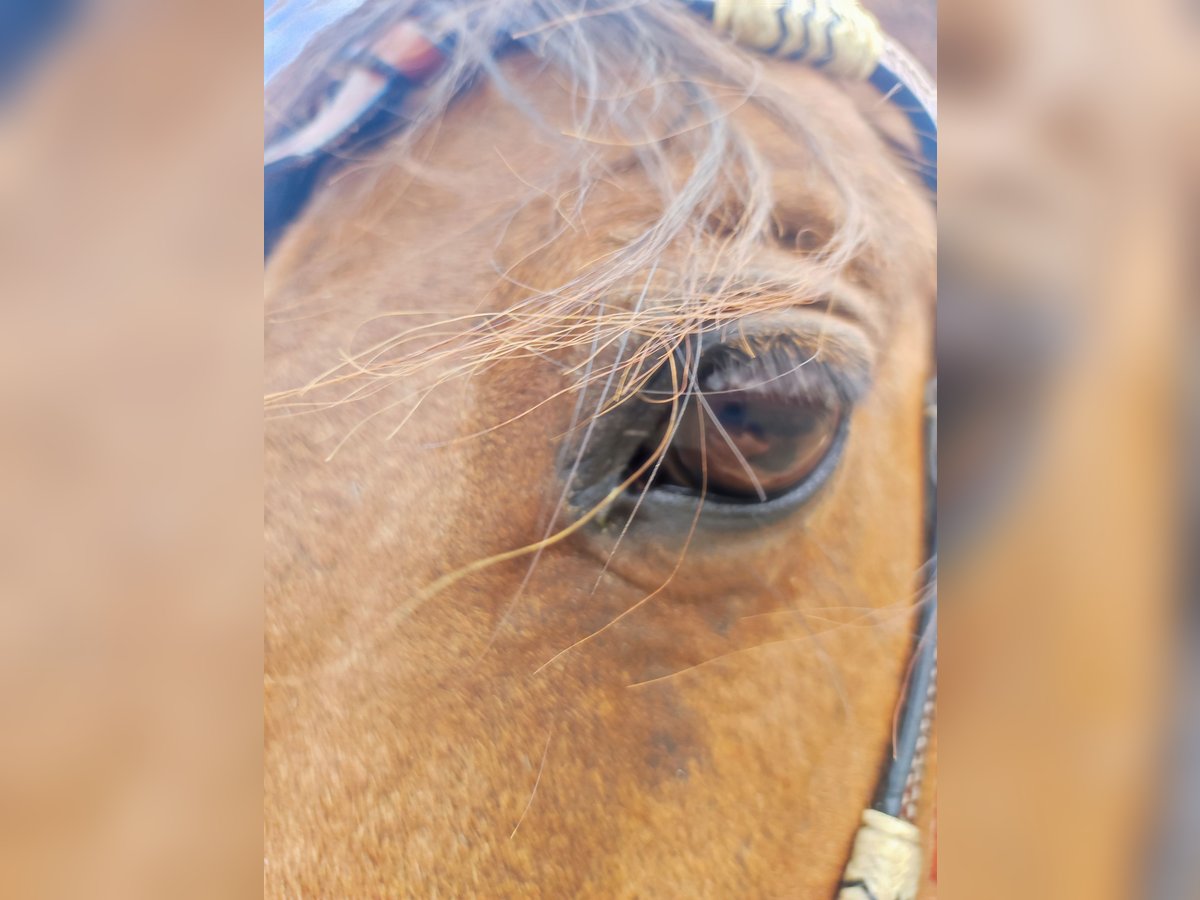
x: 785, y: 362
x: 795, y: 353
x: 783, y: 369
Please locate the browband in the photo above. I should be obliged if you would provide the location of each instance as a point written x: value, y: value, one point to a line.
x: 837, y: 36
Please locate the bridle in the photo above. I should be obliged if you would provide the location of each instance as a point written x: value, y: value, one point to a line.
x: 837, y: 36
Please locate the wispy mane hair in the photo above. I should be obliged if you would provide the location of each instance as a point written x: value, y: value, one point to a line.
x: 649, y: 74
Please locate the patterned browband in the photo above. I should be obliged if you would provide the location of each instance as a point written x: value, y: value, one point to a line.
x: 837, y: 36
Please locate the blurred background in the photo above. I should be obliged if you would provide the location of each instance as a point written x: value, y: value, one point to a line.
x: 1066, y: 331
x: 130, y: 449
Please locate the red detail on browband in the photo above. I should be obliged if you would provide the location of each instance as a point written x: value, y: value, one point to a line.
x: 409, y: 51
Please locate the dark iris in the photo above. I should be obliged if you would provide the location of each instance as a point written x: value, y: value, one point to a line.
x: 749, y: 445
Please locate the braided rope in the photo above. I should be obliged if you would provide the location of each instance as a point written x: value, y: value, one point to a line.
x: 898, y: 61
x: 838, y: 36
x: 912, y: 787
x: 885, y: 863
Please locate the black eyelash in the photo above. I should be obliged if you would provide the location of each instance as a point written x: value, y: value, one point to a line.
x: 775, y: 364
x: 780, y: 366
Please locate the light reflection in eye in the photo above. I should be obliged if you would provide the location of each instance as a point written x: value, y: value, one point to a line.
x: 750, y: 445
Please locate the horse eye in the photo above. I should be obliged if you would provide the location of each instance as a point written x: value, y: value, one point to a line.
x: 748, y: 446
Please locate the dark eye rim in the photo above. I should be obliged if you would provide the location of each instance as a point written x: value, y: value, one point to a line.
x: 598, y: 478
x: 730, y: 508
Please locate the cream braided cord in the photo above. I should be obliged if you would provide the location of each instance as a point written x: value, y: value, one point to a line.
x: 885, y: 863
x: 838, y: 35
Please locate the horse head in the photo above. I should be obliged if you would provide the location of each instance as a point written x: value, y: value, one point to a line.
x: 595, y: 461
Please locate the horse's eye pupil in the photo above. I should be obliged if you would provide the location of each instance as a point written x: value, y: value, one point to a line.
x: 749, y: 446
x: 731, y: 413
